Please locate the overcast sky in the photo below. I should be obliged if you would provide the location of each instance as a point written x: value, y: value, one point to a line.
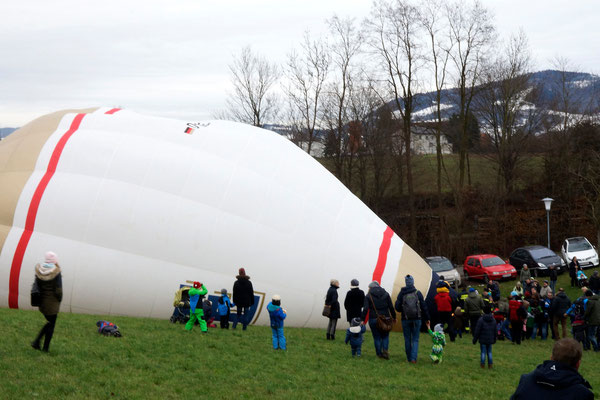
x: 171, y: 58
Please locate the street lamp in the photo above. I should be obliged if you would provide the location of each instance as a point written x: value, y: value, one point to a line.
x: 548, y: 203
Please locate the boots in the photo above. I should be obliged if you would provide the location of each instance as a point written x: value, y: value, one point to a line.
x: 333, y: 337
x: 490, y: 366
x: 328, y: 336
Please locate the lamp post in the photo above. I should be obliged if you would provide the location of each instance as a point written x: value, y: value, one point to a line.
x: 548, y: 203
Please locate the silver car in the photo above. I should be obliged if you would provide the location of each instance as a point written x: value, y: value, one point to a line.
x: 444, y: 268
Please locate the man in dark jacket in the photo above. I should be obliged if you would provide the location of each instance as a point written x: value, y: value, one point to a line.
x: 355, y: 299
x: 243, y: 297
x: 573, y: 268
x: 594, y: 283
x: 557, y: 378
x: 378, y: 302
x: 592, y: 320
x: 473, y: 308
x: 553, y: 275
x: 485, y: 331
x: 560, y: 305
x: 412, y: 306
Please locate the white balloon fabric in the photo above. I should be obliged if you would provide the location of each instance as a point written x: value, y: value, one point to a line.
x: 135, y: 206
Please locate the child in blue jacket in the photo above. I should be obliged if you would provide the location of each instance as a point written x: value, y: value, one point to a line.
x: 354, y: 335
x: 277, y: 315
x: 224, y: 305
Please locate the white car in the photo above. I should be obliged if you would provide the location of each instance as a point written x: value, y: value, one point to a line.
x: 444, y: 267
x: 581, y: 248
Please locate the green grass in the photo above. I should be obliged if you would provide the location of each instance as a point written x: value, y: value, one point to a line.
x: 159, y: 360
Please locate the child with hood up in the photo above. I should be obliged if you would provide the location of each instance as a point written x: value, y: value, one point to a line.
x: 277, y: 315
x: 354, y: 335
x: 485, y: 333
x: 224, y: 307
x: 439, y: 341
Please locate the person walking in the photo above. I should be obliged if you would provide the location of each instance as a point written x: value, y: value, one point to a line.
x: 559, y: 307
x: 378, y: 302
x: 413, y: 310
x: 473, y: 308
x: 573, y: 268
x: 48, y: 279
x: 243, y: 297
x: 355, y: 299
x: 331, y: 299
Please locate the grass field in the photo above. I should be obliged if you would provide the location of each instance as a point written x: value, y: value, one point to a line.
x: 159, y: 360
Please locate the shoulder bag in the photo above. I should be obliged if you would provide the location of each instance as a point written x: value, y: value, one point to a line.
x: 384, y: 323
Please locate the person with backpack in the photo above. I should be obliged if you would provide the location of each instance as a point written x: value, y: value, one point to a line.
x: 48, y: 279
x: 378, y: 302
x: 560, y: 305
x: 224, y: 307
x: 196, y: 310
x: 473, y: 308
x: 578, y: 326
x: 243, y: 297
x: 413, y: 309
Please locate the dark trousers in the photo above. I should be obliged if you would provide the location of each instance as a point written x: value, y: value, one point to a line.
x: 516, y: 330
x: 473, y: 322
x: 446, y: 318
x: 242, y: 317
x: 573, y: 280
x: 47, y: 331
x: 224, y: 321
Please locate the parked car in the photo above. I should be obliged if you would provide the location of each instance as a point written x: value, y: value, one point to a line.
x: 538, y: 258
x: 488, y: 267
x: 581, y: 248
x: 443, y: 267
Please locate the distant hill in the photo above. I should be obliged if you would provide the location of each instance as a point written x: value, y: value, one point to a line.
x: 4, y: 132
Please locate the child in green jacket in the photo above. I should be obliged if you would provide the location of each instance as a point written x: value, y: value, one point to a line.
x: 196, y: 312
x: 439, y: 341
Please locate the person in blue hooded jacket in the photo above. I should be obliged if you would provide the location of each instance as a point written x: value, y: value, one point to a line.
x: 224, y: 307
x: 354, y: 336
x: 277, y: 315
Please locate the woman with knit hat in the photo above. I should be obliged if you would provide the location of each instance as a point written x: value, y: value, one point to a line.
x: 243, y: 297
x: 49, y: 281
x: 331, y: 299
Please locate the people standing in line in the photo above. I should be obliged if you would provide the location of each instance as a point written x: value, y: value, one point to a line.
x: 378, y: 302
x: 485, y: 333
x: 354, y: 336
x: 243, y: 297
x: 525, y: 274
x: 560, y: 305
x: 413, y: 310
x: 557, y: 378
x: 473, y: 308
x: 354, y: 301
x: 592, y: 320
x: 331, y: 299
x: 573, y: 268
x: 48, y: 278
x: 224, y: 306
x: 553, y: 275
x: 277, y: 315
x: 196, y: 312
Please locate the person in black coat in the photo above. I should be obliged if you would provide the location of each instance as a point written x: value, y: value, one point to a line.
x: 557, y: 378
x: 594, y: 285
x: 378, y: 302
x: 355, y: 298
x: 573, y: 268
x: 331, y: 299
x: 485, y: 332
x: 243, y: 298
x: 559, y: 307
x: 553, y: 275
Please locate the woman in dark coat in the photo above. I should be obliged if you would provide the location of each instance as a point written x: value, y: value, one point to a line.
x: 49, y: 281
x: 355, y: 298
x: 332, y: 300
x: 243, y: 298
x: 573, y: 268
x: 378, y: 301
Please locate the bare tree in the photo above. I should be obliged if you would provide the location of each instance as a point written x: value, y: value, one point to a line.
x: 394, y: 27
x: 471, y: 32
x: 306, y: 73
x: 253, y: 78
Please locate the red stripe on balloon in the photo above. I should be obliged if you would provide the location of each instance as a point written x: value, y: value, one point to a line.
x: 383, y: 253
x: 114, y: 110
x: 15, y: 270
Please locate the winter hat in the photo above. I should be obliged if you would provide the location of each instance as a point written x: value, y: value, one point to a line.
x: 471, y: 290
x: 409, y: 280
x: 50, y: 258
x: 439, y: 328
x: 242, y: 272
x: 514, y: 294
x: 334, y: 282
x: 373, y: 284
x: 223, y: 291
x: 589, y: 293
x: 355, y: 322
x: 276, y: 297
x: 196, y: 285
x: 354, y: 283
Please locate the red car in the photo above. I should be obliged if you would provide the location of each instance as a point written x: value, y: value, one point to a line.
x: 488, y: 267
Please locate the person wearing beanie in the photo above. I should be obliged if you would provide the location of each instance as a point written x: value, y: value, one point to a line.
x: 354, y: 336
x: 485, y: 332
x: 413, y: 309
x: 224, y: 307
x: 378, y: 302
x: 445, y: 304
x: 277, y: 314
x: 473, y: 307
x: 355, y: 298
x: 48, y: 279
x: 196, y: 311
x: 439, y: 341
x: 331, y: 300
x: 243, y: 297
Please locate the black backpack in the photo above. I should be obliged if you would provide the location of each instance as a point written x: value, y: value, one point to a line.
x: 410, y: 305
